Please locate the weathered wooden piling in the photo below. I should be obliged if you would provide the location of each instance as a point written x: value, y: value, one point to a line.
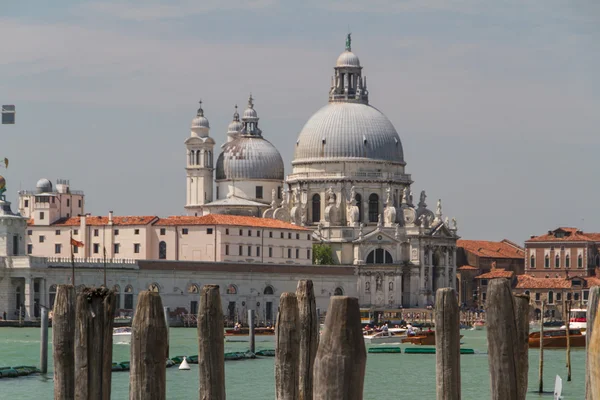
x: 447, y: 345
x: 568, y: 333
x: 287, y: 346
x: 339, y: 368
x: 63, y: 342
x: 593, y: 356
x: 592, y: 310
x: 94, y: 315
x: 147, y: 376
x: 541, y: 364
x: 44, y: 341
x: 166, y: 313
x: 251, y: 337
x: 308, y: 325
x: 211, y: 347
x: 522, y: 322
x: 502, y: 338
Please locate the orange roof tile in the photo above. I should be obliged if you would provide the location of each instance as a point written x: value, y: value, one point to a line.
x: 221, y: 219
x: 467, y: 268
x: 530, y: 282
x: 99, y: 221
x: 484, y: 248
x: 571, y: 235
x: 496, y: 273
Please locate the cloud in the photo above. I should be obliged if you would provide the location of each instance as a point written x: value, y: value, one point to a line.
x: 136, y: 10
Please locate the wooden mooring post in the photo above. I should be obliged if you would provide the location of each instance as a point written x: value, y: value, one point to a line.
x: 94, y: 315
x: 44, y: 340
x: 592, y: 313
x: 147, y: 377
x: 522, y: 322
x: 251, y: 337
x: 447, y: 345
x: 211, y: 346
x: 568, y: 326
x: 308, y: 325
x: 503, y: 343
x: 339, y: 368
x: 166, y: 313
x: 63, y: 342
x: 541, y: 364
x: 287, y: 347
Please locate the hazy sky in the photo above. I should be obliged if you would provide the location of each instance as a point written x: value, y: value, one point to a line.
x: 497, y: 103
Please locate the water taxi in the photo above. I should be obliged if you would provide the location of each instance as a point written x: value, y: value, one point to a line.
x: 392, y: 335
x: 557, y: 338
x: 577, y: 320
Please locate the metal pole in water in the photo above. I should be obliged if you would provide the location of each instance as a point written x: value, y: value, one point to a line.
x: 44, y: 341
x: 166, y: 311
x: 251, y: 330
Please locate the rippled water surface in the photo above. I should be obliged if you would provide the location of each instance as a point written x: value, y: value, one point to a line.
x: 388, y: 375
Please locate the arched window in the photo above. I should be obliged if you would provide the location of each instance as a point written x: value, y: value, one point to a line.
x: 268, y: 290
x: 231, y: 289
x: 373, y: 208
x: 316, y: 208
x: 162, y: 250
x: 580, y: 261
x: 567, y: 261
x: 338, y: 291
x: 128, y: 297
x: 557, y: 261
x: 546, y: 261
x: 193, y: 289
x: 51, y: 296
x: 379, y: 256
x: 359, y: 204
x: 117, y: 291
x: 532, y: 261
x: 551, y: 297
x: 154, y: 287
x: 527, y: 292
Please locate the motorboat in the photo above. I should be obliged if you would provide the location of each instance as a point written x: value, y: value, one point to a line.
x: 122, y: 335
x: 394, y: 335
x: 423, y: 338
x: 242, y: 334
x: 478, y: 326
x: 557, y: 338
x: 577, y: 320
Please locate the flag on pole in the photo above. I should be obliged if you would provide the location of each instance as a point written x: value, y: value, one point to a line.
x: 76, y: 243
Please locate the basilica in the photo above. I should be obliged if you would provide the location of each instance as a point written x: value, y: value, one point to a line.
x: 348, y: 185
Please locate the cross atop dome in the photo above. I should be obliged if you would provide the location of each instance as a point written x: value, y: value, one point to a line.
x: 200, y: 110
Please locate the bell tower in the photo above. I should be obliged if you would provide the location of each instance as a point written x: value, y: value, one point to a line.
x: 199, y: 165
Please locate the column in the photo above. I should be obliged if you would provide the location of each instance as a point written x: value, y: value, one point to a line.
x: 453, y: 268
x: 398, y: 288
x: 28, y: 299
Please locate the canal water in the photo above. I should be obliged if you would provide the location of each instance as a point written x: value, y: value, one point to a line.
x: 387, y: 375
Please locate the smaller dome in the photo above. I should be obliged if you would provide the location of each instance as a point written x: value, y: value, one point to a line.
x: 44, y: 186
x: 347, y: 59
x: 200, y: 121
x: 235, y: 126
x: 250, y: 112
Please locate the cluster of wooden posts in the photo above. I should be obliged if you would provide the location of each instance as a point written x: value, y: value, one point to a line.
x: 307, y: 366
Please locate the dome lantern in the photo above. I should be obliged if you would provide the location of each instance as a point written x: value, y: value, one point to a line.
x: 250, y: 120
x: 348, y: 84
x: 200, y: 125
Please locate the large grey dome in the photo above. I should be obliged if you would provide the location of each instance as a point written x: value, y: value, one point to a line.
x: 342, y: 130
x: 249, y: 157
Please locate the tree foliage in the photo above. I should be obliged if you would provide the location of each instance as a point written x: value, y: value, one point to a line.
x: 322, y: 255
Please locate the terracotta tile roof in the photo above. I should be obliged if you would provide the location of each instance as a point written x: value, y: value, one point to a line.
x: 530, y: 282
x: 571, y: 235
x: 496, y: 273
x: 484, y: 248
x: 236, y: 220
x: 467, y: 268
x: 100, y: 221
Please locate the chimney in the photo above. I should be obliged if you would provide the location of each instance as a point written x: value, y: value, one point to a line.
x: 110, y: 218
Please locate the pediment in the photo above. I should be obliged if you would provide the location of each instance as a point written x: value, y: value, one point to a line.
x: 442, y: 231
x: 377, y: 236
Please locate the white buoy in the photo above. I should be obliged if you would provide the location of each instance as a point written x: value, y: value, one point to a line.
x: 184, y: 365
